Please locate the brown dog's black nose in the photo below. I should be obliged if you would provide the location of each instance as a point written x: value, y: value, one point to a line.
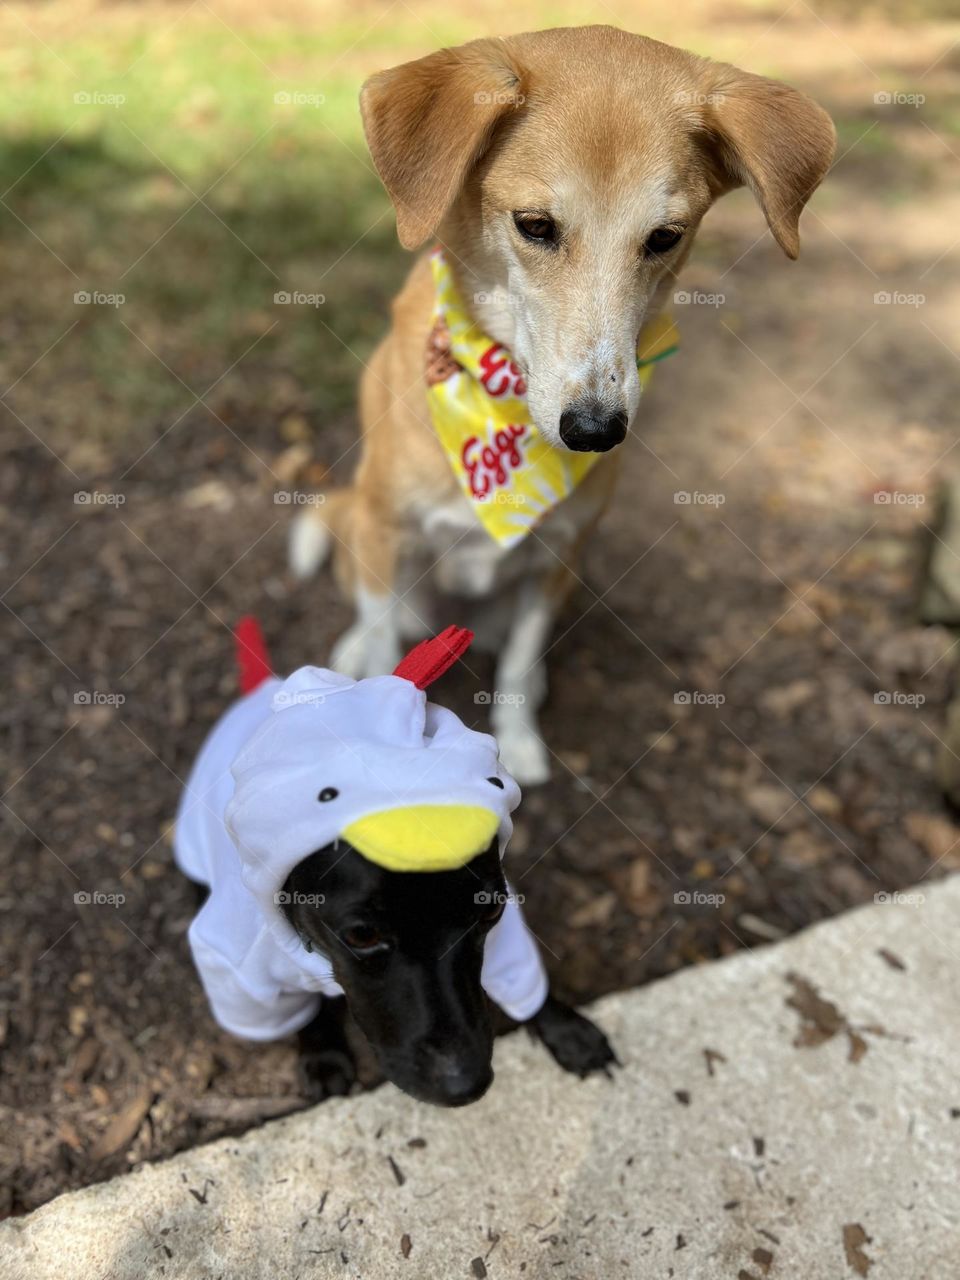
x: 591, y: 429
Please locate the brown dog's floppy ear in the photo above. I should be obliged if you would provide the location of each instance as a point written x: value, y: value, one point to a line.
x: 427, y: 122
x: 774, y: 140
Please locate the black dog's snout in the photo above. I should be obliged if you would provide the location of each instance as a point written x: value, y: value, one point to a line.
x: 453, y: 1080
x: 459, y: 1087
x: 591, y: 429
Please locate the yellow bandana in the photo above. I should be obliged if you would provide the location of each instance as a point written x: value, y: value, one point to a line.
x: 477, y: 398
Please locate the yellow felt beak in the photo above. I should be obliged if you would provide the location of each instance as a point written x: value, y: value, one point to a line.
x: 423, y: 837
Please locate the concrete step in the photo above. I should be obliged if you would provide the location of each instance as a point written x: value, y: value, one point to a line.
x: 789, y: 1112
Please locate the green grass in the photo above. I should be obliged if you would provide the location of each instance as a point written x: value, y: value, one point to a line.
x: 110, y: 191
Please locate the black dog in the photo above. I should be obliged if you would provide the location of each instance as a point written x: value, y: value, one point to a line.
x: 351, y: 833
x: 407, y: 949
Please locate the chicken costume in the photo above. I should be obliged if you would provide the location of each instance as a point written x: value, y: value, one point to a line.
x: 297, y: 764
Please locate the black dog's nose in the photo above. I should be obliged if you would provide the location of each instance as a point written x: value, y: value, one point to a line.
x: 591, y: 429
x: 459, y: 1091
x: 456, y: 1084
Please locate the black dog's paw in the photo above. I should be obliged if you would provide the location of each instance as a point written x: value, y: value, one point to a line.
x: 325, y: 1073
x: 573, y: 1040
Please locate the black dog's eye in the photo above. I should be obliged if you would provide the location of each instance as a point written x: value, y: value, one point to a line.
x: 328, y: 793
x: 536, y: 226
x: 362, y: 937
x: 492, y: 914
x: 497, y: 782
x: 662, y: 239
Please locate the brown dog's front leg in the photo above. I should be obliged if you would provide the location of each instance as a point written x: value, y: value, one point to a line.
x: 371, y: 647
x: 521, y: 686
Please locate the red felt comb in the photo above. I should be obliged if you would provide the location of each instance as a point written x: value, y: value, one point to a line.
x: 253, y: 661
x: 431, y: 658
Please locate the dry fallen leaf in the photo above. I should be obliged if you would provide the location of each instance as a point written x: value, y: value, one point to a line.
x: 122, y: 1129
x: 635, y: 887
x: 854, y: 1238
x: 824, y: 801
x: 937, y: 836
x: 773, y: 806
x: 213, y: 494
x: 594, y: 913
x: 784, y: 699
x: 77, y: 1019
x: 289, y: 465
x: 294, y: 427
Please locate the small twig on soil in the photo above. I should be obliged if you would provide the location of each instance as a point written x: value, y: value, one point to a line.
x: 213, y: 1106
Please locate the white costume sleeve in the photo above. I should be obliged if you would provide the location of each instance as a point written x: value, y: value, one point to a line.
x: 513, y: 975
x: 244, y: 993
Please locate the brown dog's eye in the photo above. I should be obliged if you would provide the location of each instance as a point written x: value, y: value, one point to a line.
x: 534, y: 226
x: 663, y: 238
x: 362, y: 937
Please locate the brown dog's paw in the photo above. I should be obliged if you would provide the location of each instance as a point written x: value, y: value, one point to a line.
x: 326, y: 1073
x: 577, y: 1044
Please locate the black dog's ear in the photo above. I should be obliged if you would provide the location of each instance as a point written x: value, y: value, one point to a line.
x: 428, y: 122
x: 771, y: 138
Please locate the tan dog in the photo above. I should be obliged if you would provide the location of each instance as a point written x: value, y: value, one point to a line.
x: 565, y: 173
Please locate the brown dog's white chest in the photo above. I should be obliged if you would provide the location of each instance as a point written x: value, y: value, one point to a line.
x: 468, y: 562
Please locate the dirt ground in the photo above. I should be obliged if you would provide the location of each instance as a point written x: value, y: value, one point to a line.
x: 744, y: 709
